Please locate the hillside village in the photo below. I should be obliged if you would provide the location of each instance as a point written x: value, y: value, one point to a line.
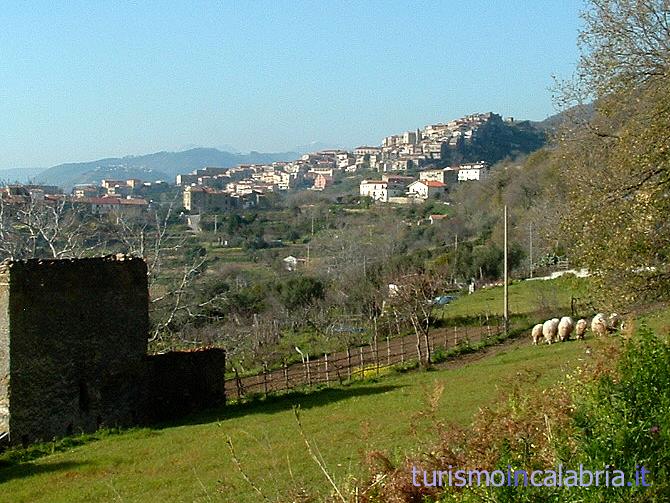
x: 406, y: 167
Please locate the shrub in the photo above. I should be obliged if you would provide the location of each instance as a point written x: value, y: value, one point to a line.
x: 624, y: 419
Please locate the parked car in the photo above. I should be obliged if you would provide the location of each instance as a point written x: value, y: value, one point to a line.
x: 442, y: 300
x: 345, y: 329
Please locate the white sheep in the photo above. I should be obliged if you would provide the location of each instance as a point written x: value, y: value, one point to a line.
x: 536, y: 333
x: 549, y: 330
x: 580, y: 329
x: 556, y: 321
x: 565, y: 328
x: 599, y: 325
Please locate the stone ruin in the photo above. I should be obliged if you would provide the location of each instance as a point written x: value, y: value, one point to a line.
x: 73, y: 352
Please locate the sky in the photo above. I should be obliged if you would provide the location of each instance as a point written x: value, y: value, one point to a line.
x: 82, y: 80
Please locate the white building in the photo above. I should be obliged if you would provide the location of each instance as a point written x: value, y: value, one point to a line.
x: 433, y: 149
x: 390, y: 141
x: 424, y: 189
x: 291, y: 263
x: 376, y: 189
x: 436, y: 130
x: 476, y: 171
x: 345, y: 159
x: 366, y: 150
x: 438, y: 175
x: 283, y: 181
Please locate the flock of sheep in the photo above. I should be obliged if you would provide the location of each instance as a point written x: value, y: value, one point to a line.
x: 556, y: 330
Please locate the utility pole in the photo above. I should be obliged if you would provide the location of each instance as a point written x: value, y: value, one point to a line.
x: 505, y: 293
x: 216, y: 223
x: 530, y: 265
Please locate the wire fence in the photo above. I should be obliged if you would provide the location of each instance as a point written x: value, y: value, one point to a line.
x: 358, y: 362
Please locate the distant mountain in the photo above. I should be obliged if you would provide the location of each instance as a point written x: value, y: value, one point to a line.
x: 19, y: 175
x: 151, y: 167
x: 224, y: 147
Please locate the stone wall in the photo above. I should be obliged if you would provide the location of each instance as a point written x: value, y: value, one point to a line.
x: 183, y: 382
x: 73, y: 351
x: 77, y: 343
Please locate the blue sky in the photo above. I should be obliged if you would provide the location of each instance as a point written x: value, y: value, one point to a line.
x: 80, y: 80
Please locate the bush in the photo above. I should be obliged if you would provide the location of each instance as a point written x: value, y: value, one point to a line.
x: 624, y: 418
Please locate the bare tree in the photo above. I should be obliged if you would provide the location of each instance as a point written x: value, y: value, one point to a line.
x: 149, y: 236
x: 176, y: 300
x: 13, y: 243
x: 33, y: 228
x: 412, y: 300
x: 625, y: 43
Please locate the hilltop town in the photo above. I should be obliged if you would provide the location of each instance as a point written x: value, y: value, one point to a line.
x: 407, y: 164
x: 405, y: 168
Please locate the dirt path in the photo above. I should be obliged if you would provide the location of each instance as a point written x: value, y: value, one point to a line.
x: 470, y: 358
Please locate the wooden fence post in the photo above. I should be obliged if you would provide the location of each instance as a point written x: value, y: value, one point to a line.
x: 285, y: 375
x: 375, y: 355
x: 238, y: 384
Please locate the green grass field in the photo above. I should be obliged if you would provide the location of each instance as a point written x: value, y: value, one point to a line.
x: 190, y: 460
x: 525, y: 297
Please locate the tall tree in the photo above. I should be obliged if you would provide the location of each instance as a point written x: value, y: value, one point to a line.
x: 618, y: 167
x: 625, y: 44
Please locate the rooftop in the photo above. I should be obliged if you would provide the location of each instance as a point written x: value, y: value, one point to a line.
x: 111, y: 200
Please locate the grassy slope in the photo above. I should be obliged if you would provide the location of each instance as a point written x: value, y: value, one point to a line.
x: 191, y: 461
x: 525, y: 297
x: 658, y: 320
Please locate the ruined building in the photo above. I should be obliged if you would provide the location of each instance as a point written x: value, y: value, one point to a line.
x: 73, y: 352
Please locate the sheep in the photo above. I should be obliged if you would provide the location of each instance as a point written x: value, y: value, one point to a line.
x: 599, y: 325
x: 536, y: 333
x: 565, y: 328
x: 580, y: 329
x: 549, y: 330
x: 555, y: 321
